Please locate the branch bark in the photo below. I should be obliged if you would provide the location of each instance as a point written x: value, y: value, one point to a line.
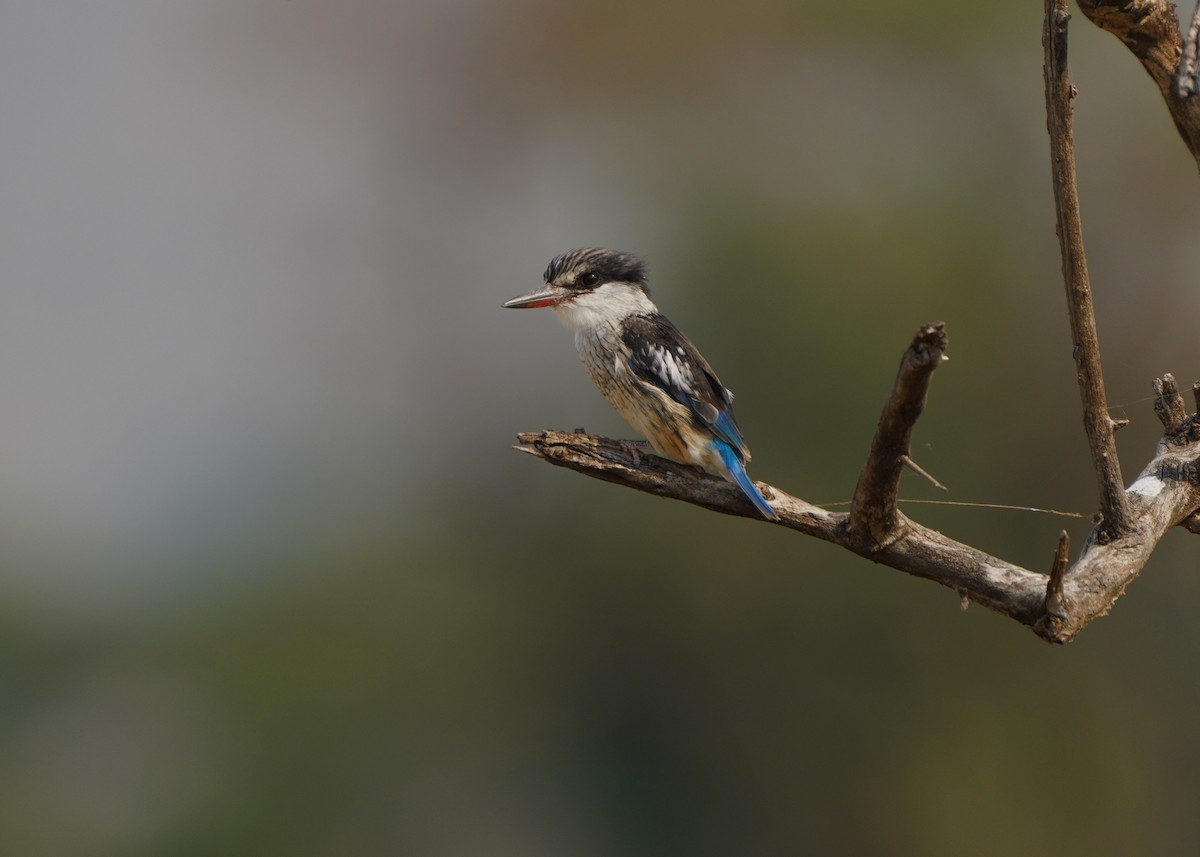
x: 1165, y: 494
x: 1150, y: 29
x: 1058, y: 605
x: 874, y: 519
x: 1098, y: 425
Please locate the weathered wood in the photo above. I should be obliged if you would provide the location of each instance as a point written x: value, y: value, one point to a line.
x: 1165, y: 494
x: 874, y: 520
x: 1098, y: 425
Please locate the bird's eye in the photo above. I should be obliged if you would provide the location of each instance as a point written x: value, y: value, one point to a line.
x: 590, y: 279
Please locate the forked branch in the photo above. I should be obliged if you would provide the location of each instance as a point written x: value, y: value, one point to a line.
x: 1058, y: 605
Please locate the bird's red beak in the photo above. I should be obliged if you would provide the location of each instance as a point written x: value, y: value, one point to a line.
x: 545, y: 296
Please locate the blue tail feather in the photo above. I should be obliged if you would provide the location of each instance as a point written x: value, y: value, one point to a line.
x: 737, y: 472
x: 727, y: 431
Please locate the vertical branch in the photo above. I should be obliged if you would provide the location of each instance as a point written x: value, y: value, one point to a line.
x: 1096, y: 421
x: 874, y: 521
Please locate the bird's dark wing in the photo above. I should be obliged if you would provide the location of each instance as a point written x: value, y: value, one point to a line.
x: 661, y: 355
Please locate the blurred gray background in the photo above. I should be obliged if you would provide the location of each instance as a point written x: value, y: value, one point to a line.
x: 274, y: 582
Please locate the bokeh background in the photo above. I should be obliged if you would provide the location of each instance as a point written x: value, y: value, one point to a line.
x: 273, y: 581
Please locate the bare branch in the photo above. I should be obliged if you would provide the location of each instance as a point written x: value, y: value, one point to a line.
x: 613, y: 461
x: 1097, y: 423
x: 874, y: 520
x: 1056, y: 607
x: 1004, y: 587
x: 1150, y: 29
x: 908, y: 462
x: 1165, y: 494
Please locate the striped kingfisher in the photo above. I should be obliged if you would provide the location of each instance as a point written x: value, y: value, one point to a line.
x: 644, y: 365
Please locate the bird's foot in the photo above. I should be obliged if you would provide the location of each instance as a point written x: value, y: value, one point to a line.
x: 635, y: 448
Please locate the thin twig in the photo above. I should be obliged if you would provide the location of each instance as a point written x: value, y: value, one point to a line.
x: 1097, y: 423
x: 922, y: 472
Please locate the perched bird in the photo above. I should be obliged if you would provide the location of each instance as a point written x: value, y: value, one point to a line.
x: 643, y: 364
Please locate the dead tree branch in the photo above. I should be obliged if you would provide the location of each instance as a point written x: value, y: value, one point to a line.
x: 1058, y: 605
x: 874, y: 519
x: 1098, y: 425
x: 1150, y: 29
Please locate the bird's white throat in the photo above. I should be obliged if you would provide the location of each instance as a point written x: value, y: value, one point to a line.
x: 604, y: 307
